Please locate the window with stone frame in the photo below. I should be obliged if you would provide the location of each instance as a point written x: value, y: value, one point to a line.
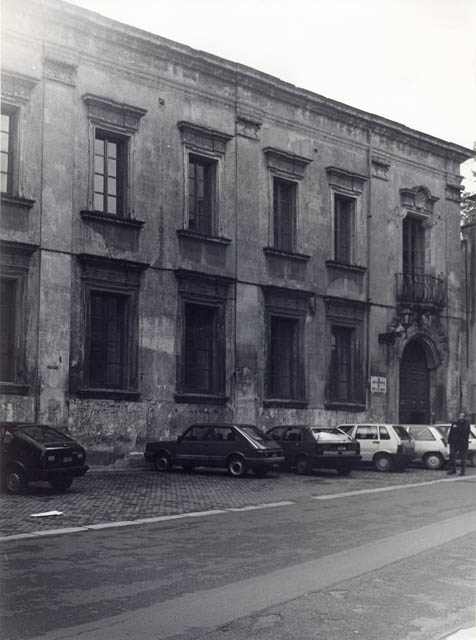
x: 345, y: 386
x: 344, y: 224
x: 284, y: 214
x: 110, y: 332
x: 8, y: 149
x: 285, y: 315
x: 348, y: 218
x: 286, y: 170
x: 16, y: 90
x: 201, y: 194
x: 113, y: 128
x: 202, y: 362
x: 8, y: 328
x: 14, y: 272
x: 204, y: 152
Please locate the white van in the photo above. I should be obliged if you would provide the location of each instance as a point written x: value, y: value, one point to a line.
x: 431, y: 446
x: 386, y: 446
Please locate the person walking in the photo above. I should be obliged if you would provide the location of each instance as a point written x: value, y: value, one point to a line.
x: 458, y: 439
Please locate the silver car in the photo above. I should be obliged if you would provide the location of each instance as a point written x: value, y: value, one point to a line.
x: 431, y: 446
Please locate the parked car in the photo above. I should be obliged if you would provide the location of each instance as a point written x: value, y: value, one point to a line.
x: 31, y: 452
x: 386, y: 446
x: 431, y: 446
x: 444, y: 428
x: 309, y: 447
x: 237, y: 447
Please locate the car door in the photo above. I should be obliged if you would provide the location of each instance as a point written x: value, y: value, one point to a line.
x: 367, y: 436
x: 292, y: 444
x: 222, y: 441
x: 193, y: 446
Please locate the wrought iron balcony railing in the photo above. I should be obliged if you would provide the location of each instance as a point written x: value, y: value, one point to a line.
x: 421, y: 289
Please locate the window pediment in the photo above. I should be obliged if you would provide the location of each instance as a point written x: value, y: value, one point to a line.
x: 104, y: 111
x: 286, y: 163
x: 17, y: 88
x: 347, y: 180
x: 203, y: 139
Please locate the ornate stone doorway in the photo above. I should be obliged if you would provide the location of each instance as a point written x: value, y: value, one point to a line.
x: 414, y: 406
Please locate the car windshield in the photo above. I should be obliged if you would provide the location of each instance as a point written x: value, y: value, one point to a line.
x: 401, y: 432
x: 328, y: 433
x: 44, y: 434
x: 254, y: 433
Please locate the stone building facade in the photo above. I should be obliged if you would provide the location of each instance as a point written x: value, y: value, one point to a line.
x: 469, y: 253
x: 184, y: 239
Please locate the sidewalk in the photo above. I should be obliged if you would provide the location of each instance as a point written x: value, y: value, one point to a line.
x: 463, y: 634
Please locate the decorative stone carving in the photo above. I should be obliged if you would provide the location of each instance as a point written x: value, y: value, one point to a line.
x: 17, y: 88
x: 203, y: 138
x: 248, y: 126
x: 102, y: 269
x: 202, y: 285
x: 453, y: 192
x: 343, y: 179
x: 60, y: 71
x: 111, y: 113
x: 291, y: 300
x: 287, y: 163
x: 380, y: 168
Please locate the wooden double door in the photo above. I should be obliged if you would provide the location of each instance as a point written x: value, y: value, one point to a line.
x: 414, y: 385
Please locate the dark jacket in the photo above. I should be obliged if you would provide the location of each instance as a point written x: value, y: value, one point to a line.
x: 459, y: 434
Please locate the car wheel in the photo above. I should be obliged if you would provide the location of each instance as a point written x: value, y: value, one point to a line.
x: 302, y: 465
x: 344, y: 471
x: 261, y: 473
x: 61, y: 483
x: 383, y: 462
x: 162, y: 462
x: 237, y: 467
x: 15, y: 481
x: 433, y: 461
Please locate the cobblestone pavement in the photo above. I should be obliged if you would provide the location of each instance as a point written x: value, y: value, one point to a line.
x: 104, y: 496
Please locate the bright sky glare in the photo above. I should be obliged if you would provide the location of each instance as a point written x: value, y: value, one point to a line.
x: 413, y: 61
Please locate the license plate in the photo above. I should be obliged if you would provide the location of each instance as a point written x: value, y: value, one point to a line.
x: 343, y: 448
x: 67, y: 459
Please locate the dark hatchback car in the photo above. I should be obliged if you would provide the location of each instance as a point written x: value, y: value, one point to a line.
x: 236, y: 447
x: 33, y: 452
x: 308, y: 447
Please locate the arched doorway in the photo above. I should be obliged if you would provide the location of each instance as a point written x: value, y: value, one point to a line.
x: 414, y: 385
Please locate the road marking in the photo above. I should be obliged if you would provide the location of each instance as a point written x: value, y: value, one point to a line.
x: 130, y: 523
x: 205, y: 609
x: 331, y: 496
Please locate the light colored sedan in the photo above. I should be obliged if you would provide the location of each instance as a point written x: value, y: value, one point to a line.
x: 431, y: 446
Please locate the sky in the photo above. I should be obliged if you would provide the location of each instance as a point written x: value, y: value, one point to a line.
x: 412, y: 61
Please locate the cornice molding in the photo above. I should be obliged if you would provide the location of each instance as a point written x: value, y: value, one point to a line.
x: 344, y: 179
x: 203, y: 138
x: 16, y: 87
x: 286, y: 162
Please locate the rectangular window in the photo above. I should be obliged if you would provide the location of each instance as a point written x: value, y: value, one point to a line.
x: 413, y: 247
x: 342, y: 364
x: 7, y: 151
x: 109, y: 174
x: 200, y: 357
x: 283, y: 357
x: 201, y: 177
x: 284, y: 214
x: 107, y: 340
x: 7, y: 329
x: 343, y: 228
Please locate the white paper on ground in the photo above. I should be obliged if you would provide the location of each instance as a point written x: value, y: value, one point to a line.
x: 46, y: 513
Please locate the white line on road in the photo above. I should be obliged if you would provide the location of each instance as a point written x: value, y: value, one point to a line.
x: 331, y: 496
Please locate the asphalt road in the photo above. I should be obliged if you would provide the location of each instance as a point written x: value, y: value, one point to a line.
x: 395, y: 561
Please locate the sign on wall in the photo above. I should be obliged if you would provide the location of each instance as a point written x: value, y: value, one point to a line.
x: 378, y: 384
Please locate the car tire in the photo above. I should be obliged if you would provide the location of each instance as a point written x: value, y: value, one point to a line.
x: 237, y: 467
x: 433, y: 461
x: 302, y: 465
x: 162, y: 462
x: 61, y: 483
x: 383, y: 462
x: 344, y: 471
x: 15, y: 480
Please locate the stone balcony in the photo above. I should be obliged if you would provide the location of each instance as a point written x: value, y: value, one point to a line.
x: 421, y: 290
